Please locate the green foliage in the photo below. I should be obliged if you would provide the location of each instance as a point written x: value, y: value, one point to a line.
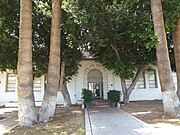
x: 171, y: 51
x: 70, y: 32
x: 171, y: 10
x: 9, y: 28
x: 114, y: 95
x: 9, y: 20
x: 87, y: 95
x: 119, y: 33
x: 70, y: 39
x: 41, y: 36
x: 98, y: 24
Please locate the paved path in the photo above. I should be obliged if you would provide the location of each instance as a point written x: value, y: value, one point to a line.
x: 113, y: 121
x: 8, y: 123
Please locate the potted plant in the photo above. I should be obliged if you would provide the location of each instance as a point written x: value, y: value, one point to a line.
x: 114, y: 97
x: 87, y: 96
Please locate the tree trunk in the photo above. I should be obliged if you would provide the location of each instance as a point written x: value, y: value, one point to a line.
x: 26, y: 105
x: 176, y: 41
x: 63, y: 87
x: 49, y: 101
x: 127, y: 91
x: 170, y: 99
x: 66, y: 96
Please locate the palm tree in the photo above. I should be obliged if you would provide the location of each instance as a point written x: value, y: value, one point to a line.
x: 26, y: 105
x: 170, y: 99
x: 49, y: 102
x: 176, y: 41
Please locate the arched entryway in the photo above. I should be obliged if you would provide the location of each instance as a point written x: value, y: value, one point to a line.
x: 104, y: 74
x: 95, y: 83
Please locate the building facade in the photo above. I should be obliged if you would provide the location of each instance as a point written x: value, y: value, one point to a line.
x: 91, y: 75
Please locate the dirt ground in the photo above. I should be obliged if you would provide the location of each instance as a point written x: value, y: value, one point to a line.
x: 67, y: 121
x: 70, y: 121
x: 150, y: 112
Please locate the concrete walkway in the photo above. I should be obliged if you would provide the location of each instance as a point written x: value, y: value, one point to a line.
x: 114, y: 121
x: 7, y: 124
x: 10, y: 122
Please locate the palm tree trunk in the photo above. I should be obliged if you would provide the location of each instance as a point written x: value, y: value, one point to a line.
x: 26, y: 105
x: 63, y: 87
x: 170, y: 99
x: 47, y: 110
x: 176, y: 41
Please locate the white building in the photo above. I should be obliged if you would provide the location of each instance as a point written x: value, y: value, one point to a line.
x: 91, y: 75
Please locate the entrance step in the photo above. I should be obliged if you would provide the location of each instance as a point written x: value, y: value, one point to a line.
x: 100, y: 103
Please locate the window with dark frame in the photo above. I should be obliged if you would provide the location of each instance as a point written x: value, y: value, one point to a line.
x: 152, y: 79
x: 128, y: 83
x: 141, y: 82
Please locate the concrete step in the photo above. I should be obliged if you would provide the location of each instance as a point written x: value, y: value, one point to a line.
x: 100, y: 103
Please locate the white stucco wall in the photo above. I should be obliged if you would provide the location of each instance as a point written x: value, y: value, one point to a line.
x: 79, y: 82
x: 113, y: 82
x: 147, y: 93
x: 12, y: 96
x: 6, y: 96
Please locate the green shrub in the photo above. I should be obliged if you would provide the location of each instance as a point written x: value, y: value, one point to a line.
x: 87, y: 95
x: 114, y: 96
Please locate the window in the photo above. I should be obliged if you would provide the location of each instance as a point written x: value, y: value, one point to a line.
x: 152, y: 79
x: 11, y: 83
x: 37, y: 85
x: 141, y: 82
x: 128, y: 83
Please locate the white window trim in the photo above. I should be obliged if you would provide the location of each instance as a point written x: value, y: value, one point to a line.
x: 6, y: 85
x: 41, y: 84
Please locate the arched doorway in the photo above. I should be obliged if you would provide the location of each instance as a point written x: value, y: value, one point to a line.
x: 95, y: 83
